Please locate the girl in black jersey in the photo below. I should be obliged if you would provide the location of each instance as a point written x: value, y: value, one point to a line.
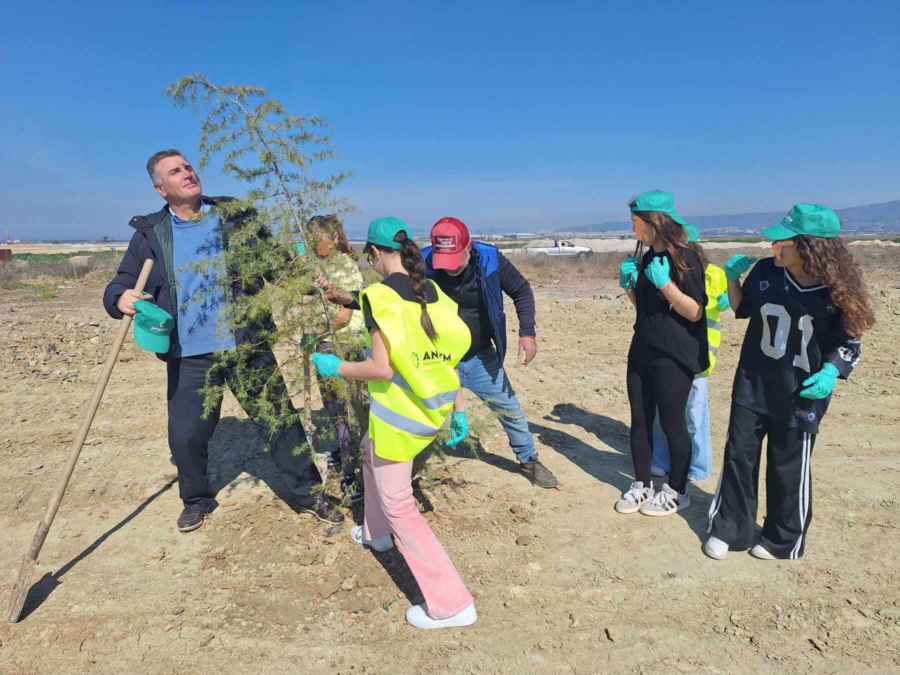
x: 668, y: 289
x: 808, y: 307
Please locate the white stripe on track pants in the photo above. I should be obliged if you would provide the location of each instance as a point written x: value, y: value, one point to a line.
x: 732, y: 514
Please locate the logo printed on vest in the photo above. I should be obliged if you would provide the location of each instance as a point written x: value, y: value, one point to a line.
x: 763, y: 285
x: 432, y: 356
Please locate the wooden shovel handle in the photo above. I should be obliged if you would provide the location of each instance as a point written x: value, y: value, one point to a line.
x: 75, y: 450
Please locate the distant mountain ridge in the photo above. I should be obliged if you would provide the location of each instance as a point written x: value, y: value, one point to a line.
x: 757, y: 221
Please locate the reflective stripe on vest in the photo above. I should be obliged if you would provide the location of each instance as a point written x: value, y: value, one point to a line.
x: 713, y: 324
x: 397, y: 420
x: 408, y: 411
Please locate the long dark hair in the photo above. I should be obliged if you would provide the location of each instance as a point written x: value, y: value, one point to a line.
x: 673, y: 236
x: 830, y: 262
x: 329, y: 226
x: 414, y: 264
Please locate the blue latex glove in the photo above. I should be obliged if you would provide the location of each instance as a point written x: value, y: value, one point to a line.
x: 459, y: 429
x: 326, y: 364
x: 658, y: 272
x: 738, y: 265
x: 300, y: 247
x: 723, y: 301
x: 821, y: 384
x: 628, y: 273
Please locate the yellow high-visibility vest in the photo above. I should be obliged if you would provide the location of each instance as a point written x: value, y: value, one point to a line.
x: 716, y: 284
x: 407, y: 411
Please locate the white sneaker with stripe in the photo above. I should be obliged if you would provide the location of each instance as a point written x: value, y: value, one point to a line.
x: 666, y: 502
x: 636, y: 495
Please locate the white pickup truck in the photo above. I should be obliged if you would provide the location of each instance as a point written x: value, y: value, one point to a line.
x: 562, y: 248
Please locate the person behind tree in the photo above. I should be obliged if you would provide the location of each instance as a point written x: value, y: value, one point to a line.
x: 668, y: 350
x: 326, y: 234
x: 186, y: 236
x: 698, y: 400
x: 414, y: 341
x: 808, y: 308
x: 475, y: 276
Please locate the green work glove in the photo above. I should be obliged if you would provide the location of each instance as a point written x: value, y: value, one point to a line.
x: 459, y: 429
x: 628, y: 273
x: 821, y: 384
x: 738, y: 265
x: 723, y: 301
x: 326, y: 364
x: 658, y: 272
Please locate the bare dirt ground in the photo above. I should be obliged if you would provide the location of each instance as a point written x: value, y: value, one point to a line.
x: 563, y: 584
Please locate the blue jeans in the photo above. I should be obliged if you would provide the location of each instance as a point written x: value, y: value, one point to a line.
x: 483, y: 375
x: 698, y: 427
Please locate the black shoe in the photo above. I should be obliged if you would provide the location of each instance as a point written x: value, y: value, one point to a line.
x: 352, y: 489
x: 326, y: 512
x: 190, y: 519
x: 537, y: 473
x: 334, y: 461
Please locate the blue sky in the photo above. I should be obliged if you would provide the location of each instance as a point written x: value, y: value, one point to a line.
x: 509, y: 115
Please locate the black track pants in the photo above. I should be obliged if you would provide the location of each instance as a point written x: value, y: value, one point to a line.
x: 189, y: 433
x: 732, y: 514
x: 655, y: 382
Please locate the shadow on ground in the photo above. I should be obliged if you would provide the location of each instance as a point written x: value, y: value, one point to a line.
x: 613, y: 469
x: 45, y: 586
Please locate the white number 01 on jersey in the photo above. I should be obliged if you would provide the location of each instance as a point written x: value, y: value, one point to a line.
x: 775, y: 348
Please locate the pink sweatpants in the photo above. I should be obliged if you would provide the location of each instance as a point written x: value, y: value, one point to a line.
x: 391, y: 508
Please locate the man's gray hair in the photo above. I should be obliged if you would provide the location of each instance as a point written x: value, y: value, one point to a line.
x: 153, y: 161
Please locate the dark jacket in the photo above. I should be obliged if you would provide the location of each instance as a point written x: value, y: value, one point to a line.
x: 496, y: 275
x: 153, y: 239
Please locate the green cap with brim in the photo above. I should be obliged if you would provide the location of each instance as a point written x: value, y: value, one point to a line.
x: 152, y: 327
x: 693, y: 234
x: 382, y: 232
x: 813, y: 220
x: 657, y: 200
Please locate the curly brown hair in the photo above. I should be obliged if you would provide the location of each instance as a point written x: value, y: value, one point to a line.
x: 830, y: 262
x: 674, y: 237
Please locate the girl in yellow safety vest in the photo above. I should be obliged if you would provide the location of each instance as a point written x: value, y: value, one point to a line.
x: 414, y: 339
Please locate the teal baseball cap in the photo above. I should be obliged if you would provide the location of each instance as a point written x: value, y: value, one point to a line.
x: 813, y: 220
x: 152, y: 327
x: 693, y: 234
x: 382, y: 232
x: 657, y: 200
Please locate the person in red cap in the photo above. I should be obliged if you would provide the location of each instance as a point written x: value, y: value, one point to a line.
x: 476, y: 276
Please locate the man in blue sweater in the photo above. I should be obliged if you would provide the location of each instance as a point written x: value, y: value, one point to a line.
x: 475, y: 276
x: 187, y: 240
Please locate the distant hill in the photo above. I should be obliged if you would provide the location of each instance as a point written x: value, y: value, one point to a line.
x: 757, y: 221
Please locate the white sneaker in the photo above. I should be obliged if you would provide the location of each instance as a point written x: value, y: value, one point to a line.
x: 381, y: 544
x: 760, y: 552
x: 417, y: 616
x: 666, y: 502
x: 715, y: 548
x: 657, y: 471
x: 636, y: 495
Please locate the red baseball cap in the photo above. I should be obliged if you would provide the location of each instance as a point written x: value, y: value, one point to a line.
x: 449, y: 239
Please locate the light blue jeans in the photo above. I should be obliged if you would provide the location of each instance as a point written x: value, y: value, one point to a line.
x: 698, y: 427
x: 483, y: 375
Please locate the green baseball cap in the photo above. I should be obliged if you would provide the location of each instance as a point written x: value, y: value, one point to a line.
x: 693, y: 234
x: 382, y: 232
x: 814, y: 220
x: 152, y: 327
x: 657, y: 200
